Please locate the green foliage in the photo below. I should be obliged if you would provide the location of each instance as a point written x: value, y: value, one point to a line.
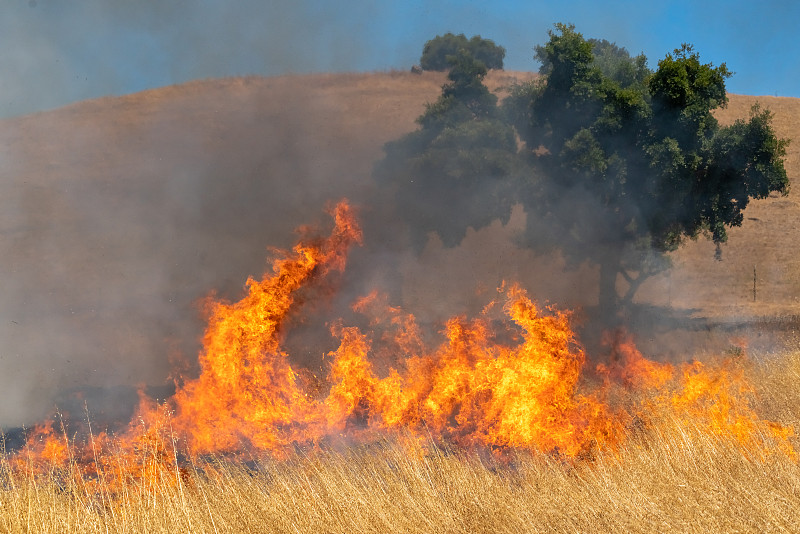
x: 463, y: 98
x: 617, y: 64
x: 586, y: 82
x: 742, y: 161
x: 642, y: 148
x: 684, y: 94
x: 449, y: 174
x: 436, y: 52
x: 569, y: 100
x: 620, y: 164
x: 614, y: 62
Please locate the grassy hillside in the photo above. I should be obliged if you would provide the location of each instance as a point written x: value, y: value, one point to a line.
x: 118, y: 214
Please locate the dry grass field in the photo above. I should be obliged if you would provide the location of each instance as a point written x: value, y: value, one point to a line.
x: 673, y: 478
x: 118, y: 215
x: 670, y: 487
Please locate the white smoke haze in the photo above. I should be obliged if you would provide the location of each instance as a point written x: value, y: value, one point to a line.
x: 55, y: 53
x: 119, y: 215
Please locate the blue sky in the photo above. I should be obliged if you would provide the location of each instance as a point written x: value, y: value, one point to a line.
x: 53, y: 52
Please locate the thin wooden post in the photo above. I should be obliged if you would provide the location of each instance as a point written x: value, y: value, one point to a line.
x: 754, y: 283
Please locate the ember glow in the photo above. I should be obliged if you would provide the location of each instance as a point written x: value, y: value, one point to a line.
x: 513, y: 378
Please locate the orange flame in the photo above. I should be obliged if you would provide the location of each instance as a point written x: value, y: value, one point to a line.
x: 247, y: 392
x: 514, y: 383
x: 472, y: 391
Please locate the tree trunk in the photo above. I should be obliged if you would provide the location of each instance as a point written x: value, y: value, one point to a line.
x: 633, y: 285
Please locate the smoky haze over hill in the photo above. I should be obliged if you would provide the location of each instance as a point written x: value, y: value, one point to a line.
x: 120, y: 214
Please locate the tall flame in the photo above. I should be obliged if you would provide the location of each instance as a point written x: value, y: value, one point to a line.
x: 247, y: 390
x: 517, y: 382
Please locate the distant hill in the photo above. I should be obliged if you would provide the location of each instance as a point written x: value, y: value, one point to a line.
x: 118, y: 214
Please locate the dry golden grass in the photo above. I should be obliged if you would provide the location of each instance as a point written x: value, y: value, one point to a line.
x: 685, y: 482
x: 670, y: 478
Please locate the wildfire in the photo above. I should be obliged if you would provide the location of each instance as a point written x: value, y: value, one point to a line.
x: 473, y: 391
x: 517, y: 381
x: 247, y: 391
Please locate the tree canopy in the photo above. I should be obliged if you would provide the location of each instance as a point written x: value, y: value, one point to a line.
x: 448, y: 174
x: 645, y: 151
x: 620, y: 164
x: 436, y: 52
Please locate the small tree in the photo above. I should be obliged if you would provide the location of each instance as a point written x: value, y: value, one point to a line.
x: 436, y: 52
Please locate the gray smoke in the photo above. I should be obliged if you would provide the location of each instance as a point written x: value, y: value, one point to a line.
x: 117, y: 216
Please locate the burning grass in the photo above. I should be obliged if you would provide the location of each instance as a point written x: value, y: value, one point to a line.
x: 676, y: 479
x: 502, y: 426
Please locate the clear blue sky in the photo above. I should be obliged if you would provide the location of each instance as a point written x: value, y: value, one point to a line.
x: 53, y: 52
